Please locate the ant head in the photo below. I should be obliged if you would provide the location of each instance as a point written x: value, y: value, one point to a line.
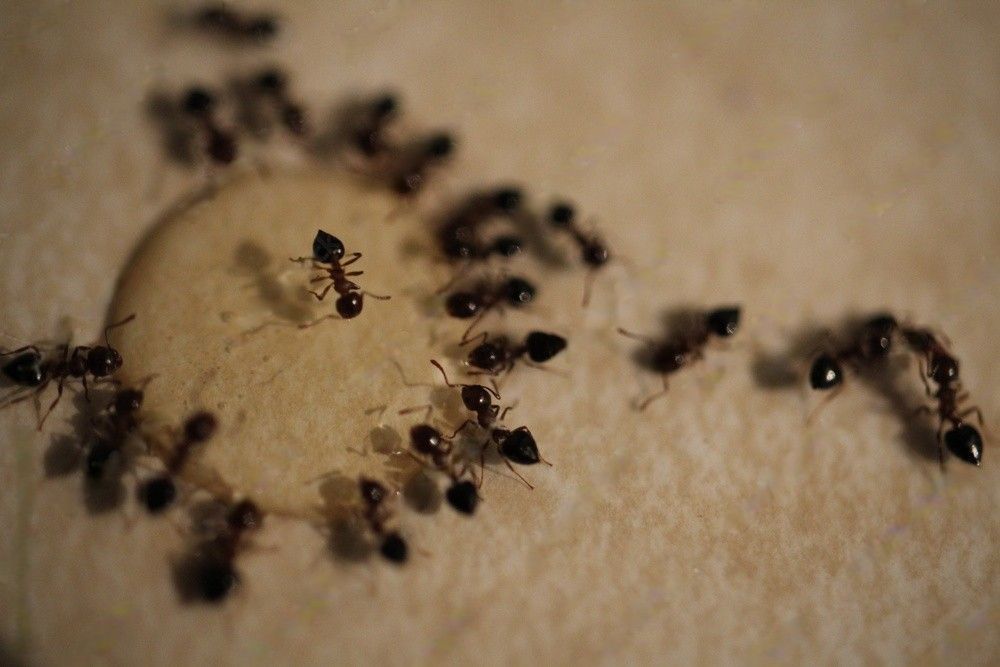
x: 462, y: 496
x: 262, y: 28
x: 245, y: 515
x: 200, y: 427
x: 373, y: 492
x: 25, y: 369
x: 128, y: 401
x: 519, y: 446
x: 487, y: 356
x: 668, y: 358
x: 103, y: 361
x: 943, y: 368
x: 724, y: 322
x: 221, y: 147
x: 385, y: 106
x: 158, y: 493
x: 349, y: 305
x: 507, y: 246
x: 920, y: 340
x: 440, y: 146
x: 293, y: 117
x: 508, y: 199
x: 876, y: 335
x: 215, y: 577
x: 463, y: 305
x: 394, y: 548
x: 518, y: 291
x: 595, y: 253
x: 543, y: 346
x: 327, y: 248
x: 271, y: 81
x: 425, y: 439
x: 408, y: 182
x: 965, y: 442
x: 562, y: 214
x: 825, y: 373
x: 97, y: 458
x: 198, y: 102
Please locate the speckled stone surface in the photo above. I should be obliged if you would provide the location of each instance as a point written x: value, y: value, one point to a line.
x: 807, y: 161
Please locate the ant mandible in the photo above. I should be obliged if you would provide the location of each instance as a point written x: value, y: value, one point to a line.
x: 159, y: 492
x: 515, y: 292
x: 593, y: 251
x: 499, y: 354
x: 34, y: 370
x: 681, y: 350
x: 329, y: 250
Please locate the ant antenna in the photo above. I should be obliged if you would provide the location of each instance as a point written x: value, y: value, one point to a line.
x: 494, y: 392
x: 115, y: 326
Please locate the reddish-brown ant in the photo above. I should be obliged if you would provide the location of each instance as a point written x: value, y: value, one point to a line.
x: 497, y: 355
x: 430, y: 447
x: 212, y: 569
x: 159, y: 492
x: 220, y: 145
x: 226, y: 22
x: 515, y: 292
x: 329, y: 250
x: 377, y: 514
x: 687, y: 346
x: 33, y: 371
x: 593, y: 251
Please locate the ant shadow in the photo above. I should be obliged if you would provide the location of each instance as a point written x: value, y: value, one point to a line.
x: 285, y: 302
x: 788, y: 368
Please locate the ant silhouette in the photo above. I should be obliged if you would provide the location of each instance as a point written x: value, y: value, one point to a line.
x: 593, y: 251
x: 212, y: 569
x: 499, y: 354
x: 200, y: 104
x: 159, y: 492
x: 272, y: 85
x: 111, y: 428
x: 429, y: 447
x: 32, y: 370
x: 329, y: 250
x: 476, y: 303
x: 377, y: 514
x: 687, y: 346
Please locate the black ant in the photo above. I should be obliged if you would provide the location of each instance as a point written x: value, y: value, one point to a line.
x: 111, y: 428
x: 200, y: 104
x: 459, y: 235
x: 870, y: 343
x: 228, y: 23
x: 410, y: 172
x: 33, y: 370
x: 499, y: 354
x: 377, y: 514
x: 593, y: 250
x: 158, y: 493
x: 437, y: 451
x: 368, y: 127
x: 515, y: 292
x: 329, y: 250
x: 685, y: 347
x: 212, y: 569
x: 273, y: 85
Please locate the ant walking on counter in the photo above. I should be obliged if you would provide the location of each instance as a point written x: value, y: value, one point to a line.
x: 200, y: 104
x: 429, y: 447
x: 211, y: 569
x: 498, y: 355
x: 377, y: 513
x: 111, y: 429
x: 329, y: 250
x: 32, y: 370
x: 159, y: 492
x: 476, y: 303
x: 272, y: 85
x: 459, y: 238
x: 593, y: 251
x: 687, y: 346
x: 870, y: 343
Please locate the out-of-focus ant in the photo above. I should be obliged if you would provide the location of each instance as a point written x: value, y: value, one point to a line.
x: 432, y: 448
x: 212, y: 568
x: 227, y: 22
x: 412, y: 164
x: 112, y: 427
x: 272, y: 85
x: 368, y: 125
x: 159, y: 492
x: 871, y: 343
x: 687, y: 346
x: 593, y: 251
x: 378, y: 513
x: 32, y: 370
x: 200, y: 105
x: 328, y: 251
x: 498, y: 355
x: 474, y: 304
x: 459, y: 235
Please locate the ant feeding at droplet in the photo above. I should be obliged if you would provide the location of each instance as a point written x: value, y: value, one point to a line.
x: 594, y: 253
x: 493, y: 356
x: 33, y: 369
x: 159, y: 492
x: 209, y: 573
x: 328, y: 256
x: 224, y: 21
x: 487, y: 295
x: 200, y: 104
x: 431, y: 448
x: 687, y: 345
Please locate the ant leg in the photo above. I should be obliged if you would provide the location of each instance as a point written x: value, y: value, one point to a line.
x: 973, y: 411
x: 307, y: 325
x: 454, y: 279
x: 482, y: 463
x: 86, y: 390
x: 505, y: 411
x: 923, y: 377
x: 322, y: 295
x: 354, y: 273
x: 531, y: 364
x: 428, y: 407
x: 302, y: 260
x: 22, y: 349
x: 321, y: 278
x: 380, y: 297
x: 354, y: 256
x: 475, y: 322
x: 8, y: 401
x: 443, y: 374
x: 588, y: 286
x: 484, y: 336
x: 59, y: 392
x: 519, y: 475
x: 459, y: 429
x: 923, y: 410
x: 636, y: 336
x: 826, y: 399
x: 659, y: 394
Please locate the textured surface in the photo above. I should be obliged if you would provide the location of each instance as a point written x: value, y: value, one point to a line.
x: 807, y: 161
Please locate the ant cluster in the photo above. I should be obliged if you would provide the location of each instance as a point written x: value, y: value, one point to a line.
x: 868, y: 348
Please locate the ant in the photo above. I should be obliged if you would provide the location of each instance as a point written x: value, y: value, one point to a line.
x: 410, y: 173
x: 328, y: 249
x: 32, y: 370
x: 228, y: 23
x: 437, y: 451
x: 200, y: 104
x: 458, y: 236
x: 212, y: 568
x: 112, y: 427
x: 159, y: 492
x: 593, y: 250
x: 273, y: 85
x: 498, y: 355
x: 870, y: 343
x: 377, y: 513
x: 370, y: 124
x: 680, y: 350
x: 515, y: 292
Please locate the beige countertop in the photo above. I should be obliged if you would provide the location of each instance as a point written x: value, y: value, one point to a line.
x: 807, y: 160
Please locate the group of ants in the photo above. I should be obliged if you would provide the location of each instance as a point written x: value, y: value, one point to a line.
x: 467, y: 236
